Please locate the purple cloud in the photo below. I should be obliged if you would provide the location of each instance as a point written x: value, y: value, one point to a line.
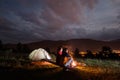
x: 58, y: 19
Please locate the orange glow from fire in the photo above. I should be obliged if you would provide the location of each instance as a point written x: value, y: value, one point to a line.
x: 74, y: 64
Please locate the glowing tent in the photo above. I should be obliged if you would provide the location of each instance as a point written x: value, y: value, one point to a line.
x: 39, y: 54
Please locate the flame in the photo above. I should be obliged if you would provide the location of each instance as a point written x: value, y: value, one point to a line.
x: 74, y: 64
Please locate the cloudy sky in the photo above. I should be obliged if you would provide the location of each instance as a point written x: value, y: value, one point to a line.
x: 35, y: 20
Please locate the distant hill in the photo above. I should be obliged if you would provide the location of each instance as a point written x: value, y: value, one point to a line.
x: 81, y: 44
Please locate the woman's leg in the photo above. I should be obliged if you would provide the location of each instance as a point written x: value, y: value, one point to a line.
x: 68, y: 63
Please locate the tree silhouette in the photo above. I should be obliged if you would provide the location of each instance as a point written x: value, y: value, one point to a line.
x: 47, y: 49
x: 105, y: 53
x: 1, y: 45
x: 25, y: 49
x: 89, y: 54
x: 76, y: 53
x: 22, y: 48
x: 19, y: 47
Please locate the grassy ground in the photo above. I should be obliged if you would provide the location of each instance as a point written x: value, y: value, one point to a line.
x: 20, y: 68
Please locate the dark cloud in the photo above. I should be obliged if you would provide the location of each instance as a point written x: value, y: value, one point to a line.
x: 34, y: 20
x: 5, y: 25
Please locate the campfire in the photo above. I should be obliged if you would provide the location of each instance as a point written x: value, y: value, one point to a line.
x: 73, y: 64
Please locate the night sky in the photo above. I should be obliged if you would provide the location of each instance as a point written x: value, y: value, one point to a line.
x: 35, y: 20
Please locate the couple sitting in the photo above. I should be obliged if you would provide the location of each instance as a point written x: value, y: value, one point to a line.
x: 63, y: 58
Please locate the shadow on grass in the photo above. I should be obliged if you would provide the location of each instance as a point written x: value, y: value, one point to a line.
x: 56, y: 73
x: 41, y: 74
x: 51, y: 71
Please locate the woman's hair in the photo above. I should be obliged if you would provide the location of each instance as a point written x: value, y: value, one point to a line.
x: 65, y: 49
x: 59, y: 48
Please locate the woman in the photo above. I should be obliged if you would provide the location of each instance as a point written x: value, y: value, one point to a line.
x: 67, y: 58
x: 59, y: 56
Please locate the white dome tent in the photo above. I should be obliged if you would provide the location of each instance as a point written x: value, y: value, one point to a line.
x: 39, y: 54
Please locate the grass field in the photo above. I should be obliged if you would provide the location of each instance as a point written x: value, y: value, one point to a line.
x: 21, y: 68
